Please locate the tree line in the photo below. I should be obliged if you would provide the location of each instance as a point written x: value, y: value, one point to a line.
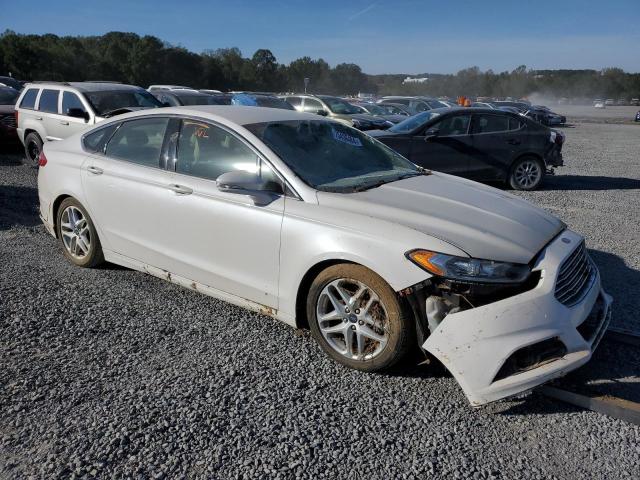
x: 146, y: 60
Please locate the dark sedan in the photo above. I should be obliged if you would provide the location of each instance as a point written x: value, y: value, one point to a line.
x: 379, y: 111
x: 478, y: 143
x: 8, y: 134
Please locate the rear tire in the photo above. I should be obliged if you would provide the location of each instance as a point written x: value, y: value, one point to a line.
x: 357, y: 319
x: 77, y: 235
x: 32, y: 149
x: 527, y: 173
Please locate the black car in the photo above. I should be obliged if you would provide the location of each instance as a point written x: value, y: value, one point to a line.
x: 8, y: 133
x: 478, y: 143
x: 11, y: 82
x: 637, y: 119
x: 379, y: 111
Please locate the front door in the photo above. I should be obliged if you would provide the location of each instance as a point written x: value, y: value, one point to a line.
x: 223, y: 240
x: 444, y: 146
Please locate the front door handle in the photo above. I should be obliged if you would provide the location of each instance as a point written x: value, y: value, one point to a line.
x: 64, y: 122
x: 180, y: 189
x: 95, y: 170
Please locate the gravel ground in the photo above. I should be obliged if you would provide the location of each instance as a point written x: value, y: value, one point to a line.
x: 114, y: 374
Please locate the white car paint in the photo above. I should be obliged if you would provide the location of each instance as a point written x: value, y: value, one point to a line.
x: 262, y: 253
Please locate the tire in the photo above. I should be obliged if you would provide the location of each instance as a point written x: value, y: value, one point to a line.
x: 527, y: 173
x: 77, y: 235
x: 380, y: 330
x: 32, y: 149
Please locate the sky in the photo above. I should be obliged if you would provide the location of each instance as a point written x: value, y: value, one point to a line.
x: 384, y: 36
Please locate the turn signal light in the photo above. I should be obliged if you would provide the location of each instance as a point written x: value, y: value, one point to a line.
x: 423, y: 258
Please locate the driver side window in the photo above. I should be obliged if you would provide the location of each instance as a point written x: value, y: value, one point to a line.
x: 454, y: 125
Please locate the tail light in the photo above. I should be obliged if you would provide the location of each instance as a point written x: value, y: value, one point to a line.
x: 16, y: 114
x: 42, y: 159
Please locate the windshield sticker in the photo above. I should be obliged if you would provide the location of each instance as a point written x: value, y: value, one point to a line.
x: 344, y: 137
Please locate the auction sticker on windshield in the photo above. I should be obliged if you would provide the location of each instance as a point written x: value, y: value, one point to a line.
x: 344, y: 137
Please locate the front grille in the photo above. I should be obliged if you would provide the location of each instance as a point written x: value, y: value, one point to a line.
x: 8, y: 120
x: 575, y: 278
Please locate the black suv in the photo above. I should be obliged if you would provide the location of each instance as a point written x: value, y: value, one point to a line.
x: 478, y: 143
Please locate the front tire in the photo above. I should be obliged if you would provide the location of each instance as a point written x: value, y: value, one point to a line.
x: 32, y: 149
x: 77, y: 235
x: 357, y: 319
x: 526, y: 174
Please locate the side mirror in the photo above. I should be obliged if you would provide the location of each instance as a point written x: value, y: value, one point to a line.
x: 322, y: 112
x: 250, y: 184
x: 431, y: 135
x: 78, y: 113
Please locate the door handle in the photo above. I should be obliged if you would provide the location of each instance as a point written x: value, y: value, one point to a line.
x: 180, y: 189
x: 95, y: 170
x: 513, y: 141
x: 39, y: 118
x: 64, y: 122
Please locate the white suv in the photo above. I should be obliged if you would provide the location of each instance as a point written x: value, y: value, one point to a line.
x: 54, y: 110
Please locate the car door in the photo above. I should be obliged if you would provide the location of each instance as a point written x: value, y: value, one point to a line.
x: 69, y: 124
x: 444, y: 146
x: 128, y: 191
x: 224, y: 240
x: 496, y: 138
x: 48, y: 106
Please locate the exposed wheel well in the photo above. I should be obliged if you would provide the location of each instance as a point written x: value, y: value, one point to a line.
x: 56, y: 206
x: 31, y: 130
x: 303, y: 290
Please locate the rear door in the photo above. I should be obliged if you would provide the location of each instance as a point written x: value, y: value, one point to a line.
x: 444, y: 146
x: 496, y: 141
x: 128, y: 190
x: 49, y: 107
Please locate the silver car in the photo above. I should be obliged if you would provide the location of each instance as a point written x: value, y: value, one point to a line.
x: 315, y: 223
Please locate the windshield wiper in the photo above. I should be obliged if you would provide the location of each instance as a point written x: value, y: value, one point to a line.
x: 421, y: 171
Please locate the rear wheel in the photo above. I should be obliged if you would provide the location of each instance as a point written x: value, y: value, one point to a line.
x: 77, y: 234
x: 32, y: 148
x: 357, y: 319
x: 526, y: 174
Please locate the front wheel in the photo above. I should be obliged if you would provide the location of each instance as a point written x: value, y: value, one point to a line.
x: 357, y: 319
x: 526, y: 174
x: 77, y: 234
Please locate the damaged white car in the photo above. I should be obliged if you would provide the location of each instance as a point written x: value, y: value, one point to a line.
x: 319, y: 225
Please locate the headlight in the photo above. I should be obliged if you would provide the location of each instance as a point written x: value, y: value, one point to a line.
x: 469, y: 269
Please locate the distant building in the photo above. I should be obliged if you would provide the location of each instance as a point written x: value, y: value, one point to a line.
x: 415, y: 80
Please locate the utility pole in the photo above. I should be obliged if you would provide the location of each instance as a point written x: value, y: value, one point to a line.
x: 306, y: 83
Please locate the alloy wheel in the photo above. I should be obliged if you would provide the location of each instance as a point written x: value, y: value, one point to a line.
x: 352, y: 319
x: 75, y: 232
x: 527, y: 174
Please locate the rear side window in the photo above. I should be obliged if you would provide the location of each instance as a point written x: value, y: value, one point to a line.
x: 139, y: 141
x: 29, y: 99
x: 70, y: 100
x: 207, y: 151
x: 49, y: 101
x: 491, y: 123
x: 94, y: 142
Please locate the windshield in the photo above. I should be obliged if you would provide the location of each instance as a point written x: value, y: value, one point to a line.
x: 197, y: 100
x: 332, y: 157
x: 106, y: 101
x: 414, y: 122
x: 375, y: 109
x: 8, y: 96
x: 339, y: 106
x: 273, y: 102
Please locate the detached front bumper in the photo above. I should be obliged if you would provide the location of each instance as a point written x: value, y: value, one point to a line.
x: 483, y: 346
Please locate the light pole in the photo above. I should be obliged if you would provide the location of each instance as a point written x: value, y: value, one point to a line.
x: 306, y: 82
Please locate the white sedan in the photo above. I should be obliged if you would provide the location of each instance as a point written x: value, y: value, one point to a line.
x: 319, y: 225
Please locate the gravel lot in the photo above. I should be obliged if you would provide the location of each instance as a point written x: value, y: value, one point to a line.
x: 114, y: 374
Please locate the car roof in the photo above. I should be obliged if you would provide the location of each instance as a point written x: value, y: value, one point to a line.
x: 241, y: 115
x: 89, y: 86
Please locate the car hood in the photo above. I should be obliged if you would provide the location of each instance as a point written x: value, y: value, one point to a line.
x: 362, y: 116
x: 482, y: 221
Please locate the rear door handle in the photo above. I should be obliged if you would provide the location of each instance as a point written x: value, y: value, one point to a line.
x: 39, y: 118
x: 513, y: 141
x: 95, y: 170
x: 64, y: 122
x: 180, y: 189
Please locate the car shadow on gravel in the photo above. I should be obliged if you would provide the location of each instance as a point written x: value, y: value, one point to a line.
x: 585, y: 182
x: 18, y: 207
